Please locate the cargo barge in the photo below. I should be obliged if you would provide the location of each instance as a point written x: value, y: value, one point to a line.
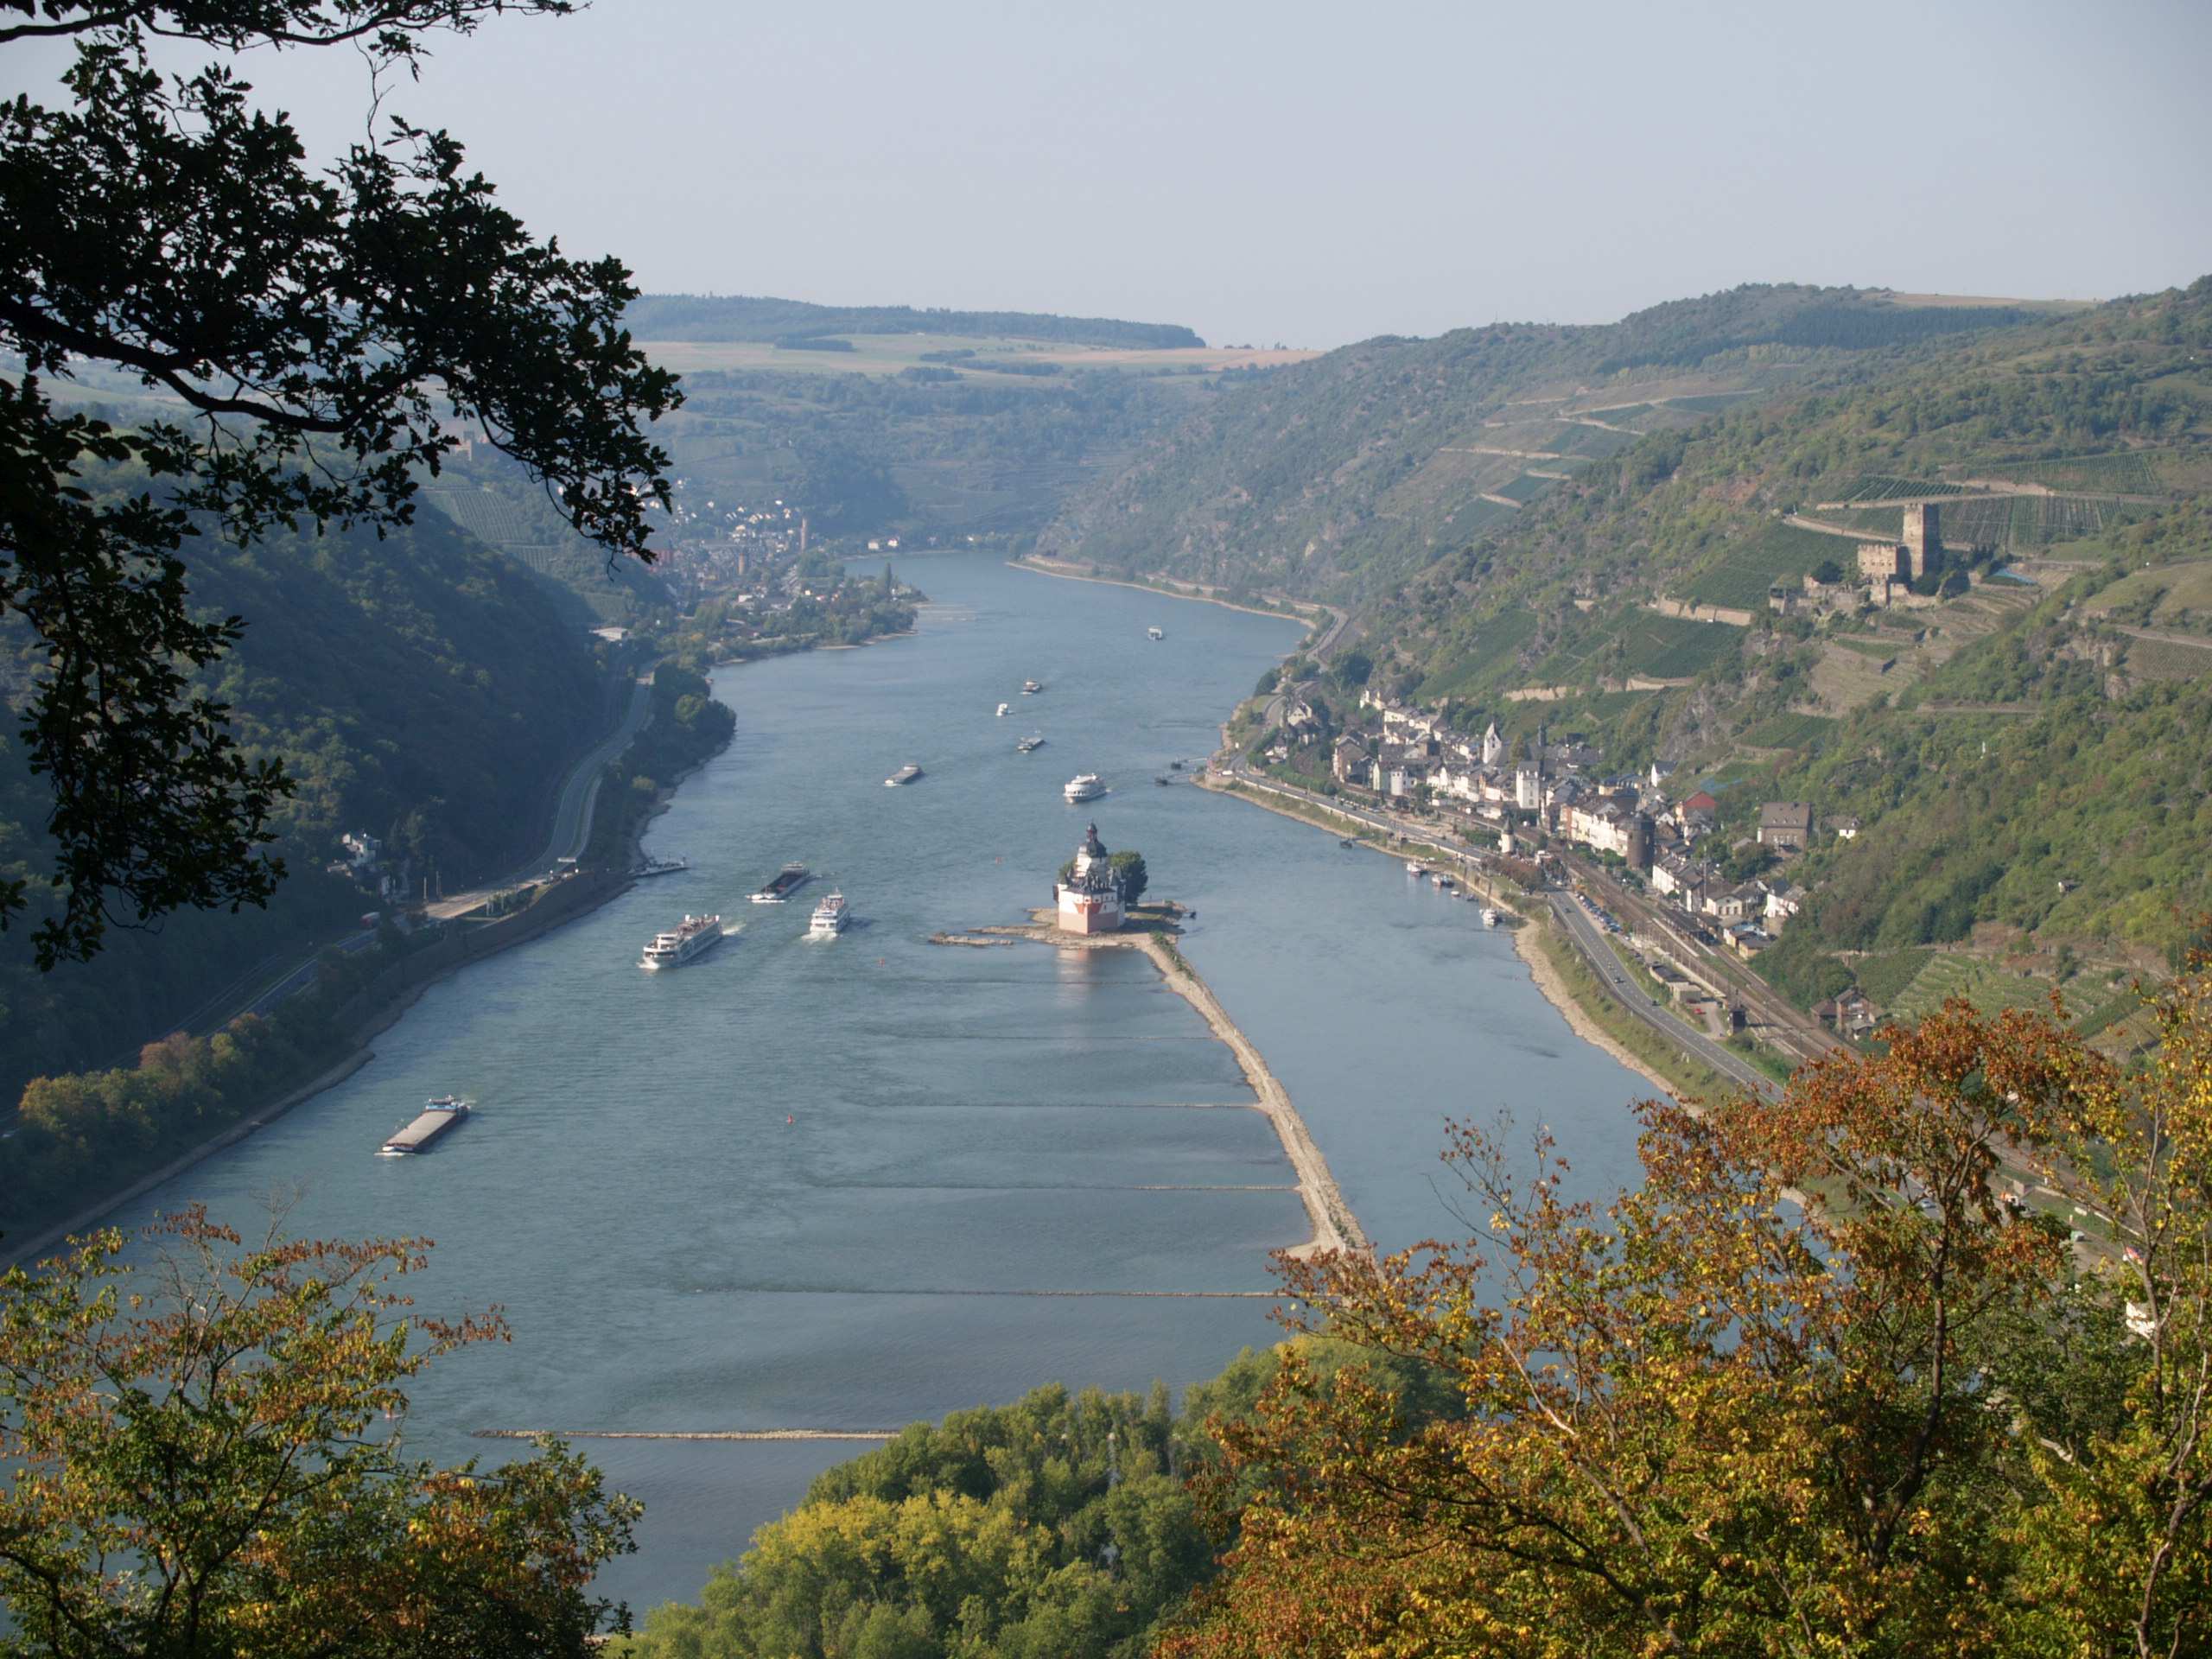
x: 788, y: 880
x: 440, y: 1114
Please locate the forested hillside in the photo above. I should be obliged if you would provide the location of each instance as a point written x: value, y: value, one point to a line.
x: 2021, y: 734
x: 739, y: 316
x: 421, y: 687
x: 950, y: 455
x: 1341, y: 477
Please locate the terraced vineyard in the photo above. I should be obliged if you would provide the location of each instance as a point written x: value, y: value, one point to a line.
x: 2130, y: 473
x: 1526, y: 488
x: 1988, y: 989
x: 1777, y: 552
x: 488, y: 517
x: 1978, y: 521
x: 1874, y: 488
x: 2039, y: 520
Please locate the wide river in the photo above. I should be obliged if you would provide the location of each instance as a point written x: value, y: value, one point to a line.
x: 847, y: 1185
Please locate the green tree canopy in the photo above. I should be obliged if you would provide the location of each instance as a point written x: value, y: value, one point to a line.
x: 204, y: 1458
x: 1129, y: 875
x: 321, y: 338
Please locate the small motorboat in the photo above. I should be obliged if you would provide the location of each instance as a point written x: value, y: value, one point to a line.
x: 1002, y: 708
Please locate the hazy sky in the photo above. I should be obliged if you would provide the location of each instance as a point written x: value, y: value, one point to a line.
x: 1315, y: 174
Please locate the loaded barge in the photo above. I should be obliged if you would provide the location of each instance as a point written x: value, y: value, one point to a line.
x: 440, y: 1113
x: 788, y: 880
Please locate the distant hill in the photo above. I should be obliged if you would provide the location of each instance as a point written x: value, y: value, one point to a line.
x: 740, y: 316
x: 1342, y: 475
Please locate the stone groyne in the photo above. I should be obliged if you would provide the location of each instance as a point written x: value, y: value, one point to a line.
x: 1333, y: 1228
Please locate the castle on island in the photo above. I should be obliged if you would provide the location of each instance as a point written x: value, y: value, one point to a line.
x: 1090, y: 900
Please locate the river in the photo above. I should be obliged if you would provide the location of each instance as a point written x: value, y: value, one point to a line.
x: 823, y: 1185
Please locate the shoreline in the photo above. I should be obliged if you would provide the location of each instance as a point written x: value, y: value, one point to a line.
x: 1332, y: 1227
x: 1039, y: 567
x: 1578, y: 1020
x: 1549, y: 985
x: 372, y: 1025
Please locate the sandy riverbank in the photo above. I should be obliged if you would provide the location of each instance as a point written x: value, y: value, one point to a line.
x: 1526, y: 947
x: 1332, y: 1227
x: 1068, y: 573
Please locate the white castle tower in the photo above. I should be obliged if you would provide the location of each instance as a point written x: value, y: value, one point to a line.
x: 1088, y: 900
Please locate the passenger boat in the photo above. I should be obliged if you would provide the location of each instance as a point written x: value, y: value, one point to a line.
x: 1490, y: 917
x: 688, y: 941
x: 1029, y: 743
x: 788, y: 880
x: 831, y: 918
x: 903, y: 775
x: 659, y: 867
x: 1083, y: 786
x: 439, y: 1114
x: 1414, y: 869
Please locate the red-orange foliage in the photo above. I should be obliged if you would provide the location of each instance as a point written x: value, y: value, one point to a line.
x: 1823, y: 1384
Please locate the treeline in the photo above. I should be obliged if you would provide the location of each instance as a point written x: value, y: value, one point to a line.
x: 1689, y: 331
x: 81, y: 1136
x: 1060, y: 1526
x: 738, y: 316
x: 687, y: 729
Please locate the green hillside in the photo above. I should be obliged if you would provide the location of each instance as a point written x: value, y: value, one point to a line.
x: 1342, y: 476
x: 2024, y: 746
x: 422, y: 688
x: 989, y: 455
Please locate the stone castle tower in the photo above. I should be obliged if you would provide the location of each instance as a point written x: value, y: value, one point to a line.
x: 1923, y: 538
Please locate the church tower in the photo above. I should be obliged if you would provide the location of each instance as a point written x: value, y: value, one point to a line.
x: 1493, y: 745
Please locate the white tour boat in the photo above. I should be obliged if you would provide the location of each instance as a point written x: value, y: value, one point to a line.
x: 688, y: 941
x: 831, y: 918
x: 1490, y: 917
x: 1083, y: 786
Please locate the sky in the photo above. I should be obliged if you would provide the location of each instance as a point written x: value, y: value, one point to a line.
x: 1311, y: 174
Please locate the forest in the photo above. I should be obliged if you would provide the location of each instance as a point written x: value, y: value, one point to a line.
x: 421, y: 687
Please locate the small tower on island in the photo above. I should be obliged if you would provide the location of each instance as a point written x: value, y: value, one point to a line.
x: 1090, y: 900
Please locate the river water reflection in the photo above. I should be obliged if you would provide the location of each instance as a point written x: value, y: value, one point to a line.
x: 823, y: 1185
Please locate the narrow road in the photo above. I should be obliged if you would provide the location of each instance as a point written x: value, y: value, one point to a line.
x: 1639, y: 1002
x: 572, y: 813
